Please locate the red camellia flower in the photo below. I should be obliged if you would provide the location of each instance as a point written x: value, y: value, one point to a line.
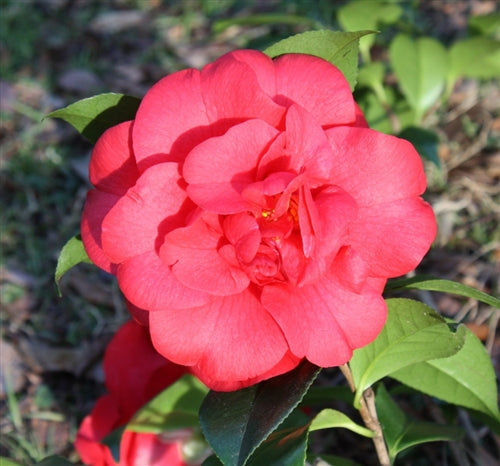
x: 256, y: 218
x: 135, y: 373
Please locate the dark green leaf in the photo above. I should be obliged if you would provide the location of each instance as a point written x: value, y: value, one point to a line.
x: 94, y: 115
x: 486, y: 25
x: 424, y: 282
x: 112, y: 441
x: 72, y: 253
x: 331, y: 418
x: 421, y: 68
x: 402, y: 432
x: 467, y: 378
x: 54, y: 460
x: 236, y: 423
x: 339, y: 48
x: 320, y: 396
x: 212, y: 461
x: 174, y: 408
x: 425, y: 141
x: 413, y: 333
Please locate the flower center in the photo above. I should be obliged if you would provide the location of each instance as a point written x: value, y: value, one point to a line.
x: 265, y: 267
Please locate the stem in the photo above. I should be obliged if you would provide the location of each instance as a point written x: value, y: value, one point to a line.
x: 369, y: 416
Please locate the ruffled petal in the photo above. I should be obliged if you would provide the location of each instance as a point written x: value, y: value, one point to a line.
x: 374, y: 167
x: 171, y: 120
x: 333, y: 320
x: 218, y: 169
x: 315, y: 85
x: 193, y: 253
x: 148, y: 283
x: 232, y: 90
x: 392, y: 238
x: 112, y: 166
x: 140, y: 449
x: 140, y: 219
x: 230, y: 339
x: 97, y: 206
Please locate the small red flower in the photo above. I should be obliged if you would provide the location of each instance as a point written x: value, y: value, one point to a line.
x: 254, y: 216
x: 135, y: 373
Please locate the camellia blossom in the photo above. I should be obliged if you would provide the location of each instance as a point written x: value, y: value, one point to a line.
x: 252, y: 218
x: 135, y: 373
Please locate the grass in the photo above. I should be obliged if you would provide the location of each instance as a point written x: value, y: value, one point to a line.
x: 43, y: 184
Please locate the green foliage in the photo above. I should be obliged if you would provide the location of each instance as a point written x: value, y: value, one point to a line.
x: 72, y: 253
x: 466, y: 378
x: 421, y: 68
x: 339, y: 48
x: 402, y: 432
x: 94, y: 115
x: 174, y: 408
x: 357, y: 15
x: 330, y: 418
x: 425, y: 141
x: 413, y: 333
x: 54, y: 460
x: 236, y: 423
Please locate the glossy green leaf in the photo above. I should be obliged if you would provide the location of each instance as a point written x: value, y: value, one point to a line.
x: 236, y: 423
x: 339, y: 48
x: 402, y: 432
x: 72, y: 253
x: 413, y: 333
x: 94, y: 115
x: 425, y: 141
x: 331, y: 418
x: 212, y: 461
x: 357, y: 15
x: 421, y: 68
x: 54, y: 460
x: 286, y: 446
x: 466, y: 379
x: 174, y: 408
x: 425, y: 282
x: 113, y: 440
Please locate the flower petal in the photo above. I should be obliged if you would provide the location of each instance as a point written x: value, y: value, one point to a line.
x: 97, y: 206
x: 171, y: 119
x: 392, y: 238
x: 193, y: 253
x: 148, y: 283
x: 374, y: 167
x: 230, y: 339
x: 232, y: 90
x: 333, y: 320
x: 218, y: 169
x: 112, y: 166
x: 315, y: 85
x: 140, y: 219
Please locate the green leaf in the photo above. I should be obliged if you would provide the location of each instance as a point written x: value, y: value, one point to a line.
x: 339, y: 48
x: 319, y: 396
x: 331, y: 418
x: 466, y: 379
x: 486, y: 25
x: 413, y: 333
x: 236, y: 423
x: 421, y: 68
x: 72, y: 253
x: 54, y: 460
x: 425, y: 141
x: 425, y: 282
x: 113, y: 440
x: 372, y: 75
x: 212, y: 461
x: 8, y: 462
x: 94, y: 115
x: 402, y: 432
x: 174, y: 408
x: 286, y: 446
x: 367, y: 14
x: 475, y: 57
